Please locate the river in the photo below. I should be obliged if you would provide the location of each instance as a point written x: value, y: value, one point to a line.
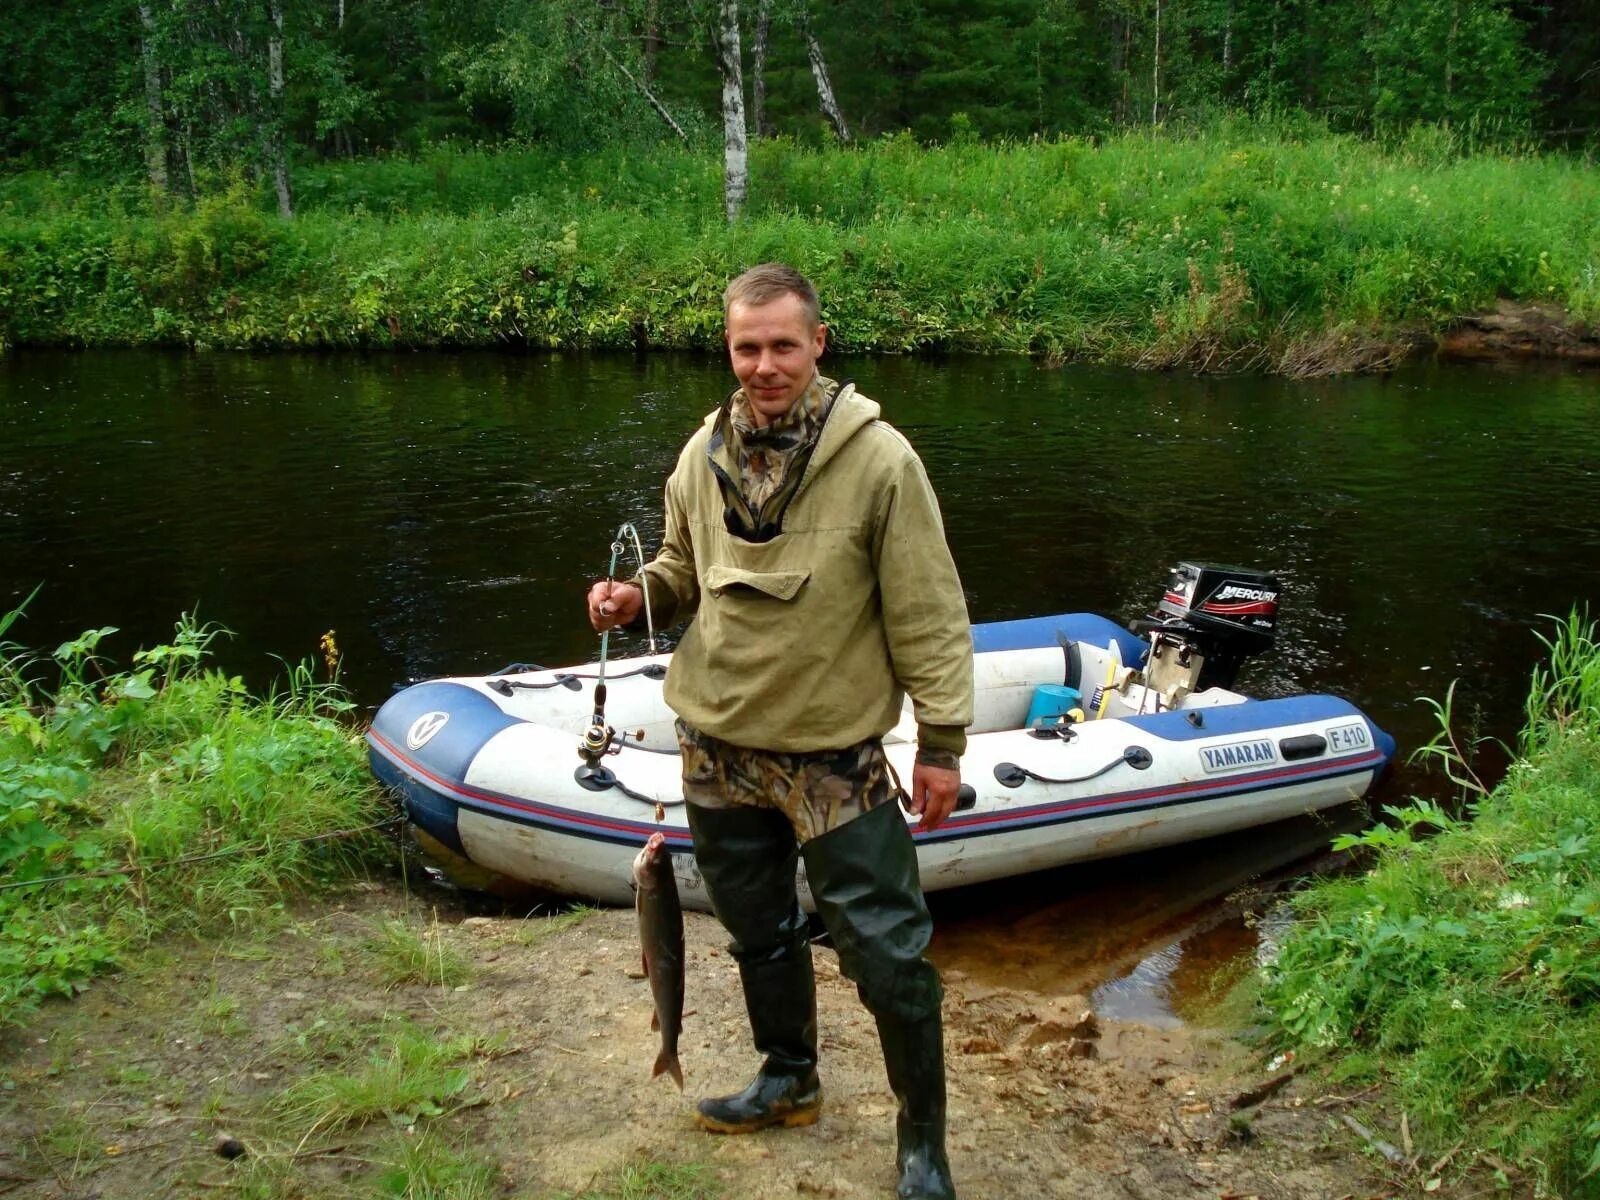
x: 443, y: 512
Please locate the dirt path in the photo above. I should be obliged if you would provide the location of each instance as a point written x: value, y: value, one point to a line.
x: 541, y: 1086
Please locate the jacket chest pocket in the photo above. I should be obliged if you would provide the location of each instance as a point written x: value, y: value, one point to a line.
x: 725, y: 581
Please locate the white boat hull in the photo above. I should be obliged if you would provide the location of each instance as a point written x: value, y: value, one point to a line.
x: 492, y: 775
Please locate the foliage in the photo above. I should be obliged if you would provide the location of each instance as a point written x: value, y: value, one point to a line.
x: 1453, y: 752
x: 405, y: 74
x: 1223, y: 246
x: 568, y: 69
x: 1464, y: 969
x: 1564, y: 697
x: 106, y: 775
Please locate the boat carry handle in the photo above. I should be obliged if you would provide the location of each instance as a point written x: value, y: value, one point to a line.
x: 1009, y: 774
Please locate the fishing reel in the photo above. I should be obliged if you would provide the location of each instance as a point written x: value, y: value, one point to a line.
x: 598, y: 741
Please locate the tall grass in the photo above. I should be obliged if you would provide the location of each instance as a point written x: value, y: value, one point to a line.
x: 1464, y: 969
x: 159, y: 796
x: 404, y: 956
x: 1244, y: 242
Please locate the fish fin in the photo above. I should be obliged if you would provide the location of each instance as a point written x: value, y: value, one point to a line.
x: 655, y: 1022
x: 644, y: 964
x: 667, y: 1063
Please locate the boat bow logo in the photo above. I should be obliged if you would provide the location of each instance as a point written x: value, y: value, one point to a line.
x: 1235, y: 756
x: 424, y: 727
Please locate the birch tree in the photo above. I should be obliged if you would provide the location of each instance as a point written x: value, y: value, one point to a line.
x: 1155, y: 71
x: 155, y: 129
x: 819, y: 72
x: 735, y: 155
x: 758, y: 68
x: 277, y: 150
x: 643, y: 89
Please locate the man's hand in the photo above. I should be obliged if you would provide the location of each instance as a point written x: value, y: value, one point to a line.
x: 612, y: 604
x: 933, y: 794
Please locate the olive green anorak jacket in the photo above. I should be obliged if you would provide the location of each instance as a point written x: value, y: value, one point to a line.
x: 811, y: 640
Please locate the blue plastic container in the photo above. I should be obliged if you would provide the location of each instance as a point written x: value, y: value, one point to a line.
x: 1051, y: 702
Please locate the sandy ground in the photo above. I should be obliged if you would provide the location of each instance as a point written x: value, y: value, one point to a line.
x: 123, y: 1092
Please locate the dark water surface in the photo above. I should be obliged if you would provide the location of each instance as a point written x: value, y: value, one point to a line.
x: 443, y: 514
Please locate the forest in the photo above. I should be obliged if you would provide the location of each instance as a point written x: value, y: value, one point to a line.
x: 179, y: 91
x: 1296, y: 186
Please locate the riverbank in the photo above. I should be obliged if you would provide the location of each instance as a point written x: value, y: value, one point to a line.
x: 387, y: 1044
x: 1461, y: 973
x: 161, y: 799
x: 207, y: 988
x: 1246, y: 245
x: 228, y: 994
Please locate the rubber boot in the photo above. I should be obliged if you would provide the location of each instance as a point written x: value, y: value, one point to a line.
x: 747, y: 857
x: 913, y: 1052
x: 864, y: 880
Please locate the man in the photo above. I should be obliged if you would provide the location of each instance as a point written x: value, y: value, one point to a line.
x: 804, y: 539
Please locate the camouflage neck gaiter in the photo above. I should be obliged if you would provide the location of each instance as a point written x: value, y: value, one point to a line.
x: 772, y: 458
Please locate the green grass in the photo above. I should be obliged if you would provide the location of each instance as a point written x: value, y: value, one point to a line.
x: 1280, y: 245
x: 651, y: 1179
x: 536, y: 929
x: 404, y: 955
x: 1463, y: 969
x: 410, y: 1073
x: 376, y: 1094
x: 427, y: 1167
x: 160, y: 797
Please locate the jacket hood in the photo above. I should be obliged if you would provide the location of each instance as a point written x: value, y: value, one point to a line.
x: 851, y: 413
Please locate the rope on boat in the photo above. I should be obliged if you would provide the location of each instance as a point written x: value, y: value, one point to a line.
x: 642, y: 798
x: 569, y: 679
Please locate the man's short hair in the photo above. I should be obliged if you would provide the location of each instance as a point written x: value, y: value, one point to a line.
x: 764, y: 284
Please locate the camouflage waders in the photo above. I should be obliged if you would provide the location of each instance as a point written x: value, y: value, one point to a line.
x: 753, y: 815
x: 815, y: 792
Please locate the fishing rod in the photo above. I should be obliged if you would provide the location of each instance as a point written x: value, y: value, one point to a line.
x: 600, y: 739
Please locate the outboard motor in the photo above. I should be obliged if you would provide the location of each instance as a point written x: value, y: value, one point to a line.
x: 1209, y: 621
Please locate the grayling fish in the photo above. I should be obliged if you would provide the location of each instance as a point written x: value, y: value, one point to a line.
x: 661, y: 939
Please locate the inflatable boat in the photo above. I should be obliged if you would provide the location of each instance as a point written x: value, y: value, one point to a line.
x: 1089, y: 740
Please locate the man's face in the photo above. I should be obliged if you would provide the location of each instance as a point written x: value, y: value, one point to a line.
x: 774, y: 349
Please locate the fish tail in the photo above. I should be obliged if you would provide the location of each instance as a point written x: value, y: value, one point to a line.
x: 667, y: 1063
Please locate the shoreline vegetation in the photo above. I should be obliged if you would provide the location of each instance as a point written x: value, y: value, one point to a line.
x: 162, y: 799
x: 1246, y: 244
x: 1460, y: 974
x: 1453, y: 986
